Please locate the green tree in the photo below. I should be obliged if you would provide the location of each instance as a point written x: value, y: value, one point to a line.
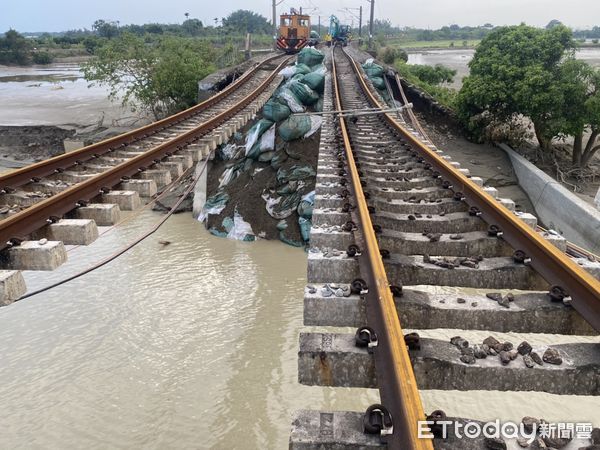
x: 433, y: 75
x: 14, y: 49
x: 580, y: 114
x: 513, y: 73
x: 159, y: 78
x: 244, y: 21
x: 106, y: 29
x: 192, y: 27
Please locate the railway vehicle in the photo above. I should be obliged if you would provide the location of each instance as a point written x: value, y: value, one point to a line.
x: 337, y: 33
x: 294, y: 31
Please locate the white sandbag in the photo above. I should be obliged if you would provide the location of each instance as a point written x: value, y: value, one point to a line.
x: 315, y: 124
x: 241, y: 229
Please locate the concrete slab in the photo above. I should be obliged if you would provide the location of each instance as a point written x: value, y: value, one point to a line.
x: 328, y: 359
x: 104, y: 214
x: 34, y: 255
x: 144, y: 188
x: 127, y: 200
x: 527, y: 313
x: 12, y: 286
x: 70, y: 231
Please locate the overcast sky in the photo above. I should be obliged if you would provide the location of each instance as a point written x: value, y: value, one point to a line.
x: 59, y: 15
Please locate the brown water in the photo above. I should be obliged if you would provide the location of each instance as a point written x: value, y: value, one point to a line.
x: 190, y: 345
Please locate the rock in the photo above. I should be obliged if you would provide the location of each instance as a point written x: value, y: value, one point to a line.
x: 555, y: 441
x: 479, y: 352
x: 411, y: 217
x: 467, y: 359
x: 490, y: 341
x: 474, y: 304
x: 495, y: 443
x: 467, y: 351
x: 460, y: 300
x: 434, y: 237
x: 505, y: 358
x: 552, y: 356
x: 504, y: 302
x: 43, y: 241
x: 513, y: 354
x: 456, y: 237
x: 530, y: 422
x: 494, y: 296
x: 528, y: 361
x: 510, y: 297
x: 507, y: 346
x: 524, y: 348
x: 537, y: 444
x: 459, y: 342
x: 536, y: 358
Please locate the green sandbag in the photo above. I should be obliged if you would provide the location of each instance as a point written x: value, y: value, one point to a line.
x: 378, y: 83
x: 297, y: 77
x: 315, y: 81
x: 302, y: 69
x: 319, y: 105
x: 278, y: 160
x: 310, y: 56
x: 276, y: 111
x: 373, y: 70
x: 266, y: 156
x: 305, y: 226
x: 295, y: 173
x: 303, y: 93
x: 294, y: 127
x: 283, y: 238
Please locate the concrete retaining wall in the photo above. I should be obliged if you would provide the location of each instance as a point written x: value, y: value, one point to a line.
x: 557, y: 207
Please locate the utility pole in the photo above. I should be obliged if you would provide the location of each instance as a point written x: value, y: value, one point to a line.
x: 360, y: 24
x: 319, y: 25
x: 371, y: 24
x: 274, y: 21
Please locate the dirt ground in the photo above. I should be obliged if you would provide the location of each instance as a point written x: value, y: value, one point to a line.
x: 246, y: 190
x: 482, y: 160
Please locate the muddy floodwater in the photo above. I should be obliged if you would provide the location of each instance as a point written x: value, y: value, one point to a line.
x: 55, y: 94
x: 458, y: 59
x: 187, y: 345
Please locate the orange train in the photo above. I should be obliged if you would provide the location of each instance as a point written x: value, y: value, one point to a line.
x: 294, y: 32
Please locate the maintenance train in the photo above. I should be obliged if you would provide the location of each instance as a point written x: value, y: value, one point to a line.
x: 294, y: 32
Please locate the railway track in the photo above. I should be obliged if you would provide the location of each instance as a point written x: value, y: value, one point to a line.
x: 404, y: 238
x: 62, y: 200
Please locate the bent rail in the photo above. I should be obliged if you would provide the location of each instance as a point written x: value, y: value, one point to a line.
x: 39, y: 214
x: 50, y: 166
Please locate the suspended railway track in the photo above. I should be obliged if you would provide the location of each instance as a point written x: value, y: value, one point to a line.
x: 62, y: 200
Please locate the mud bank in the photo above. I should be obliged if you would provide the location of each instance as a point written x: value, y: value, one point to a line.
x: 32, y: 143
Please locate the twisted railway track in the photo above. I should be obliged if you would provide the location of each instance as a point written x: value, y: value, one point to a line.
x: 93, y: 184
x: 393, y: 211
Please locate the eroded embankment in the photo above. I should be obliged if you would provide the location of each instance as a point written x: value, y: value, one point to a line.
x: 261, y: 183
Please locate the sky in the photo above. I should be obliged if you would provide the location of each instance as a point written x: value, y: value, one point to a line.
x: 60, y: 15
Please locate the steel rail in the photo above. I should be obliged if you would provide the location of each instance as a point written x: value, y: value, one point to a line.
x: 50, y: 166
x: 572, y: 249
x: 552, y: 264
x: 48, y: 210
x: 396, y: 379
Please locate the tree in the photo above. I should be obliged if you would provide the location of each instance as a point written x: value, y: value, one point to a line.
x: 514, y: 72
x: 160, y: 78
x: 244, y: 21
x: 580, y: 86
x: 553, y: 23
x: 192, y: 27
x: 433, y: 75
x: 105, y: 29
x: 14, y: 49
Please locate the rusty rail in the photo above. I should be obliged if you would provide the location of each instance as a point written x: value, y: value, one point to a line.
x: 48, y: 210
x: 396, y: 379
x: 48, y: 167
x: 553, y: 265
